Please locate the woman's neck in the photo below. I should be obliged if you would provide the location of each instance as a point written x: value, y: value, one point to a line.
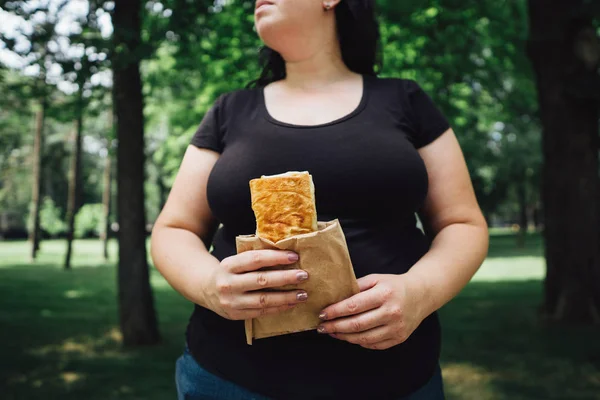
x: 320, y: 66
x: 318, y: 71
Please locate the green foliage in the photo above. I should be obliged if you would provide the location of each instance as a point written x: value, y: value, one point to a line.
x: 22, y: 92
x: 16, y: 129
x: 207, y: 51
x: 89, y: 221
x: 469, y: 56
x: 51, y: 219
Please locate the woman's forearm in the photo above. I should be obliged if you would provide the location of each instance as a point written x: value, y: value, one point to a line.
x: 184, y: 261
x: 456, y: 254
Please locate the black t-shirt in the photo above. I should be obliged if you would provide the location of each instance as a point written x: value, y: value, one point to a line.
x: 368, y: 174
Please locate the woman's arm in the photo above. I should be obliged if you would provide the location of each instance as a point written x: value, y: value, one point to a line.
x: 456, y: 222
x: 183, y: 231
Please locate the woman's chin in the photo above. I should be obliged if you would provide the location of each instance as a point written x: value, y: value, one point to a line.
x: 266, y: 26
x: 269, y: 32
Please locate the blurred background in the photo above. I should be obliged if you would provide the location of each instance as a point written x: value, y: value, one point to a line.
x: 99, y: 99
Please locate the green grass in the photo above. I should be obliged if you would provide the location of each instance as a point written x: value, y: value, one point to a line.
x: 506, y: 262
x: 59, y: 336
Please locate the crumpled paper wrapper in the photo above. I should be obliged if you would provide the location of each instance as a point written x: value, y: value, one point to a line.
x: 324, y: 255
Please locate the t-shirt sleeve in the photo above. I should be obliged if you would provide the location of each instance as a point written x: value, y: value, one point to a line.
x: 209, y: 134
x: 427, y: 119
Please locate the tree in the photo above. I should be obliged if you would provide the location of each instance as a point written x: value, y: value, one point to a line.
x: 81, y: 69
x: 74, y: 176
x: 107, y: 185
x: 36, y: 196
x: 39, y: 56
x: 136, y: 304
x: 565, y: 52
x: 15, y: 147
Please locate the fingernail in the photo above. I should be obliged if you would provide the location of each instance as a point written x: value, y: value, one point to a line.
x: 321, y: 329
x: 302, y: 276
x: 293, y: 257
x: 302, y: 296
x: 323, y: 315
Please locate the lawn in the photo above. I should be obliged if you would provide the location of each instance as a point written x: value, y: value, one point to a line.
x: 59, y: 336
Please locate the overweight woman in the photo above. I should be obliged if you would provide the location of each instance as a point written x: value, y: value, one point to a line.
x: 380, y: 153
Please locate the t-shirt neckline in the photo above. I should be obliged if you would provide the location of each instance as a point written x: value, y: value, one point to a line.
x: 357, y: 110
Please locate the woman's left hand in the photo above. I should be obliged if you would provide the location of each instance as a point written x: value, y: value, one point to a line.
x: 385, y: 313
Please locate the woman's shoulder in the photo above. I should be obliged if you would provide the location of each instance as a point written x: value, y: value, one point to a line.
x: 239, y: 94
x: 408, y: 92
x: 233, y: 102
x: 396, y: 85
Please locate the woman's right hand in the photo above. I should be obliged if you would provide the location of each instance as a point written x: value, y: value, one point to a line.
x: 236, y: 289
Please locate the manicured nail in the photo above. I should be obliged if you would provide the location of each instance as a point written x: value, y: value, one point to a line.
x: 323, y: 315
x: 321, y: 329
x: 302, y: 296
x: 293, y: 257
x: 302, y: 276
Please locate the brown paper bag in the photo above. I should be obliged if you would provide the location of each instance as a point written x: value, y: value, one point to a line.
x: 324, y: 255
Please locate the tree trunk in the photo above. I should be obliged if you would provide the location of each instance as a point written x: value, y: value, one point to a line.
x: 136, y: 305
x: 564, y: 51
x: 105, y: 235
x: 74, y: 179
x: 523, y: 220
x: 36, y: 198
x: 536, y: 217
x: 107, y: 182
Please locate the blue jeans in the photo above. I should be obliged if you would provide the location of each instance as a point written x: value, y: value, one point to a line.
x: 195, y: 383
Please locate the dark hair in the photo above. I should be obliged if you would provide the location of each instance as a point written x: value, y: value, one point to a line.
x: 358, y: 34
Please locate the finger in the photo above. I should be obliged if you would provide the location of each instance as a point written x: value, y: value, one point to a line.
x: 386, y: 344
x: 359, y: 303
x: 268, y: 279
x: 269, y: 299
x: 256, y: 259
x: 376, y: 335
x: 259, y: 312
x: 354, y: 324
x: 367, y: 282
